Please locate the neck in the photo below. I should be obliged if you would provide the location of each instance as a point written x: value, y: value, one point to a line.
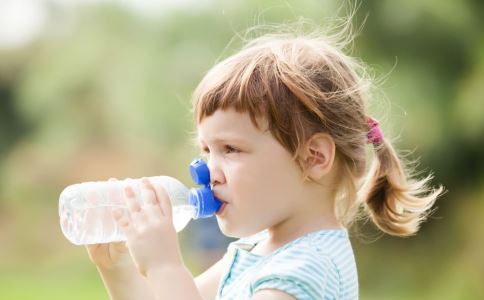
x: 316, y: 215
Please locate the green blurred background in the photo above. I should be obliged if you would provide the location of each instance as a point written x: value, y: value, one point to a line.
x: 93, y: 89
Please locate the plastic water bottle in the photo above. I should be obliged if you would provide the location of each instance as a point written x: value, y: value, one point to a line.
x: 85, y: 208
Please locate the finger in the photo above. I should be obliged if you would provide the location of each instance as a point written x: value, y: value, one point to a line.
x: 148, y: 192
x: 164, y: 201
x: 152, y: 205
x: 135, y: 210
x: 92, y: 195
x: 131, y: 201
x: 122, y: 218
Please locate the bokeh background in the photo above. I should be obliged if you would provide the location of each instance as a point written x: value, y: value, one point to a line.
x: 97, y: 89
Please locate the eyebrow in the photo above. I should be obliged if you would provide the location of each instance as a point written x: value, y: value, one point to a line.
x: 221, y: 140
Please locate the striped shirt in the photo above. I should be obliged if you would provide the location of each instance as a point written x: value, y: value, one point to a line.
x: 318, y: 265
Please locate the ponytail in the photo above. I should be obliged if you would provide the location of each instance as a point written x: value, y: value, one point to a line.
x: 396, y: 202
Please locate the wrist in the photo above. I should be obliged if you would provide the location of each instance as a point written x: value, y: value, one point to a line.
x: 119, y: 271
x: 123, y: 263
x: 173, y: 281
x: 166, y: 269
x: 161, y: 266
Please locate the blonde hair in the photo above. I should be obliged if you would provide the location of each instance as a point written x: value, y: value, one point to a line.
x: 303, y: 85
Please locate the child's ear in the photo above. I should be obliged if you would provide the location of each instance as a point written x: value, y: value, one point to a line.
x: 319, y: 155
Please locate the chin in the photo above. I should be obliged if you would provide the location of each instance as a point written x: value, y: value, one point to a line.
x: 226, y: 229
x: 230, y: 230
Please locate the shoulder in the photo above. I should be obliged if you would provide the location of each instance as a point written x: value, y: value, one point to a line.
x: 304, y: 269
x: 317, y: 253
x: 300, y: 263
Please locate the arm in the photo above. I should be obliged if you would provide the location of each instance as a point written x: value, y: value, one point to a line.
x: 173, y: 282
x: 176, y: 282
x: 154, y: 246
x: 207, y: 282
x: 118, y: 272
x: 125, y: 283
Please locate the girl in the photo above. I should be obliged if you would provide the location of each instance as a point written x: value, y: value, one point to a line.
x: 284, y: 127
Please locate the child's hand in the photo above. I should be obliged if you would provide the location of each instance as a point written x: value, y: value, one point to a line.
x: 151, y: 236
x: 111, y: 255
x: 108, y: 256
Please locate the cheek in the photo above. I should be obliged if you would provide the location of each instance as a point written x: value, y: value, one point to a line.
x: 262, y: 182
x: 245, y: 183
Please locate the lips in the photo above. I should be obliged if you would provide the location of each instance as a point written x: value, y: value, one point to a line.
x: 218, y: 197
x: 221, y: 209
x: 224, y: 203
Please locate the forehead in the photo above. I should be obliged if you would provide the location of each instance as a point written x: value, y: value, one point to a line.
x: 225, y: 125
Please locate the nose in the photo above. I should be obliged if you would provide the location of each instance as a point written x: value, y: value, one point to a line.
x: 217, y: 176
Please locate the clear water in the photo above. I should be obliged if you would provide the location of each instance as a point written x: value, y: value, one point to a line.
x: 85, y: 211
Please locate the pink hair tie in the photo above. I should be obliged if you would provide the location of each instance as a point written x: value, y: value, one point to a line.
x: 375, y: 135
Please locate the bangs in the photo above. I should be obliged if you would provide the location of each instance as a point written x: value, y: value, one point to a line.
x: 241, y: 82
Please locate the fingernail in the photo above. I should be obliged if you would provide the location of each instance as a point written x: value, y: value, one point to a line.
x: 129, y: 191
x: 145, y: 182
x: 116, y: 212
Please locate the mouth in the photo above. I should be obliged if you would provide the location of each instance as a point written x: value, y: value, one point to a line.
x: 217, y: 196
x: 224, y: 204
x: 221, y: 209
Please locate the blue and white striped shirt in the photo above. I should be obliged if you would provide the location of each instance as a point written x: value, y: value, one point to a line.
x: 318, y: 265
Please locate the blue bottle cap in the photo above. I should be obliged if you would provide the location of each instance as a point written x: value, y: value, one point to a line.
x: 200, y: 172
x: 205, y: 203
x: 202, y: 198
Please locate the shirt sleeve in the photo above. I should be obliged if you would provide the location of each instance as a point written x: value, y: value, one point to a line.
x: 305, y: 275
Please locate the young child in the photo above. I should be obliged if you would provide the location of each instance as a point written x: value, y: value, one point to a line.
x: 285, y: 128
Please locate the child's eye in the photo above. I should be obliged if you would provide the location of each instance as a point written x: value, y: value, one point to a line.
x: 230, y: 149
x: 204, y: 152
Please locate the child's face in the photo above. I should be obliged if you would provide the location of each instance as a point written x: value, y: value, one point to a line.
x: 250, y: 171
